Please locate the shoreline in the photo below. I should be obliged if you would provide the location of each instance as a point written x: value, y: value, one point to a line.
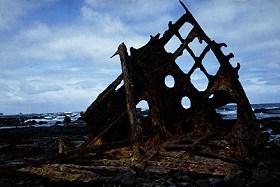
x: 23, y: 145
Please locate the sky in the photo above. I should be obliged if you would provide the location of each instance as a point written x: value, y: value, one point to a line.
x: 55, y: 54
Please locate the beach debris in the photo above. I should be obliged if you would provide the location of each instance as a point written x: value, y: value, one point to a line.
x: 169, y: 136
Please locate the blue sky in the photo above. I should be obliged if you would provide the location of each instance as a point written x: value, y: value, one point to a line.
x: 55, y: 54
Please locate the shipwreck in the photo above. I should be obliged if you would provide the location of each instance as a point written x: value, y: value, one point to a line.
x: 170, y: 136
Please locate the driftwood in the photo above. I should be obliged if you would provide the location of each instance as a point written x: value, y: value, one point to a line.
x: 170, y: 137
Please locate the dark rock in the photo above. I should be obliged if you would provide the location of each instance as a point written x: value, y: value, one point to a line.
x: 57, y: 123
x: 276, y: 130
x: 170, y: 182
x: 269, y: 182
x: 30, y: 122
x: 275, y: 148
x: 42, y: 122
x: 234, y: 180
x: 271, y: 124
x: 126, y: 178
x: 217, y: 182
x: 202, y: 182
x: 67, y: 120
x: 259, y: 174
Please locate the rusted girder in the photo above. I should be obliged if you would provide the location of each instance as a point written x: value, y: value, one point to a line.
x: 135, y: 128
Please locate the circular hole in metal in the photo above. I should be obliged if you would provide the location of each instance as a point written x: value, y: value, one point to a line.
x: 142, y: 109
x: 228, y: 112
x: 169, y: 81
x: 143, y: 105
x: 186, y: 103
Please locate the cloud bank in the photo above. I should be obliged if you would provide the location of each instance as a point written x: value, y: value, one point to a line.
x: 53, y: 62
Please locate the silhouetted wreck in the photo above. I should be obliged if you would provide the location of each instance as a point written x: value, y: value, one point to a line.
x: 170, y: 137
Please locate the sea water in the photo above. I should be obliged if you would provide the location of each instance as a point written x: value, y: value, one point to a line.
x: 261, y: 111
x: 42, y: 120
x: 229, y: 112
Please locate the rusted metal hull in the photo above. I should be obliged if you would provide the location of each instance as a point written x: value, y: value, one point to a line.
x: 170, y: 137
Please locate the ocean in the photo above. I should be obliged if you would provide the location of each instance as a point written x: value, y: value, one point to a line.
x: 262, y: 111
x: 229, y: 112
x: 37, y: 120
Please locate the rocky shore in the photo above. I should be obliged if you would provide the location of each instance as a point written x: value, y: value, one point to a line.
x: 20, y: 146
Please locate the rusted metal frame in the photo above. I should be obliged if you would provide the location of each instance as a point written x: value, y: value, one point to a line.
x: 244, y: 111
x: 198, y: 61
x: 135, y: 128
x: 202, y: 68
x: 212, y: 44
x: 105, y: 93
x: 224, y: 62
x: 156, y: 107
x: 173, y: 29
x: 177, y: 33
x: 91, y: 141
x: 155, y: 114
x: 73, y: 155
x: 198, y: 164
x: 246, y: 124
x: 156, y: 118
x: 157, y: 110
x: 179, y: 36
x: 228, y: 154
x: 160, y: 114
x: 192, y: 20
x: 244, y: 108
x: 136, y: 53
x: 184, y: 44
x: 194, y: 58
x: 86, y: 174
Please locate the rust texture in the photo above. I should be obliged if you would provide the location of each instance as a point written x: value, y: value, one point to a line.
x: 169, y: 137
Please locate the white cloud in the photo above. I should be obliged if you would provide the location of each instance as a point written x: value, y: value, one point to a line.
x: 11, y: 11
x: 59, y: 63
x: 132, y: 9
x: 37, y: 86
x: 140, y: 16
